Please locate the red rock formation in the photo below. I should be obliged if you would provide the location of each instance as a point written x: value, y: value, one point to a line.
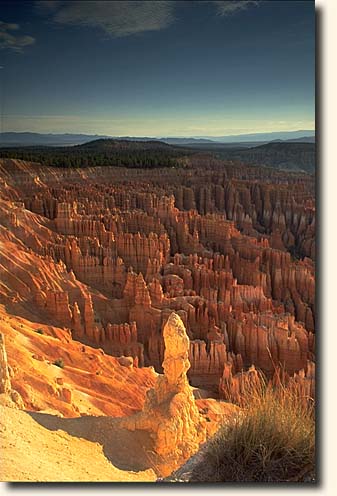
x: 57, y: 304
x: 234, y: 385
x: 110, y: 252
x: 207, y: 363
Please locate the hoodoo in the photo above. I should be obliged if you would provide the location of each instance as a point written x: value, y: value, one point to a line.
x: 170, y: 413
x: 5, y: 382
x: 8, y: 395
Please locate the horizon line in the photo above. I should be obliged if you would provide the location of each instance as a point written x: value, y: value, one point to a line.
x: 158, y: 137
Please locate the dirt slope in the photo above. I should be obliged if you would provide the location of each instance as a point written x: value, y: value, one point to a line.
x: 34, y: 448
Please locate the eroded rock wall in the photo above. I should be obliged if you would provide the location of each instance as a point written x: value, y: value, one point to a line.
x: 109, y: 253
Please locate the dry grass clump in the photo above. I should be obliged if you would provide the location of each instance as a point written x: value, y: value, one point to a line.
x: 271, y: 440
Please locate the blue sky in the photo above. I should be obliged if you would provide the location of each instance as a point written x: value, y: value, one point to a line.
x: 164, y: 68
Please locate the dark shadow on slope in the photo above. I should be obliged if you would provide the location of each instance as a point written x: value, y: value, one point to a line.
x: 126, y: 450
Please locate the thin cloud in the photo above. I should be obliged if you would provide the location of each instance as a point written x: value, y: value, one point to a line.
x: 226, y: 8
x: 115, y: 19
x: 9, y: 39
x: 45, y: 6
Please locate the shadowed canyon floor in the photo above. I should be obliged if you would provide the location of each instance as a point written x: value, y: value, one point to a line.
x: 92, y: 264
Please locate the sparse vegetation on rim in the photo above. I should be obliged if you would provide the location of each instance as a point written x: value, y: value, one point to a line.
x: 271, y: 440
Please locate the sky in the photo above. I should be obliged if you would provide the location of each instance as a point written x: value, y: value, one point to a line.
x: 157, y: 68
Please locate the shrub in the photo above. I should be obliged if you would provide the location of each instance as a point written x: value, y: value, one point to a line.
x: 272, y: 439
x: 59, y: 363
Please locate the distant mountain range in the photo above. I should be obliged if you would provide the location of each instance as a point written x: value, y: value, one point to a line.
x: 305, y: 139
x: 266, y: 137
x: 8, y: 139
x: 38, y: 139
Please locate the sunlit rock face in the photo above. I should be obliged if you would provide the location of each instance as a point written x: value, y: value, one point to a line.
x: 8, y: 395
x: 5, y: 382
x: 170, y: 413
x: 107, y: 254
